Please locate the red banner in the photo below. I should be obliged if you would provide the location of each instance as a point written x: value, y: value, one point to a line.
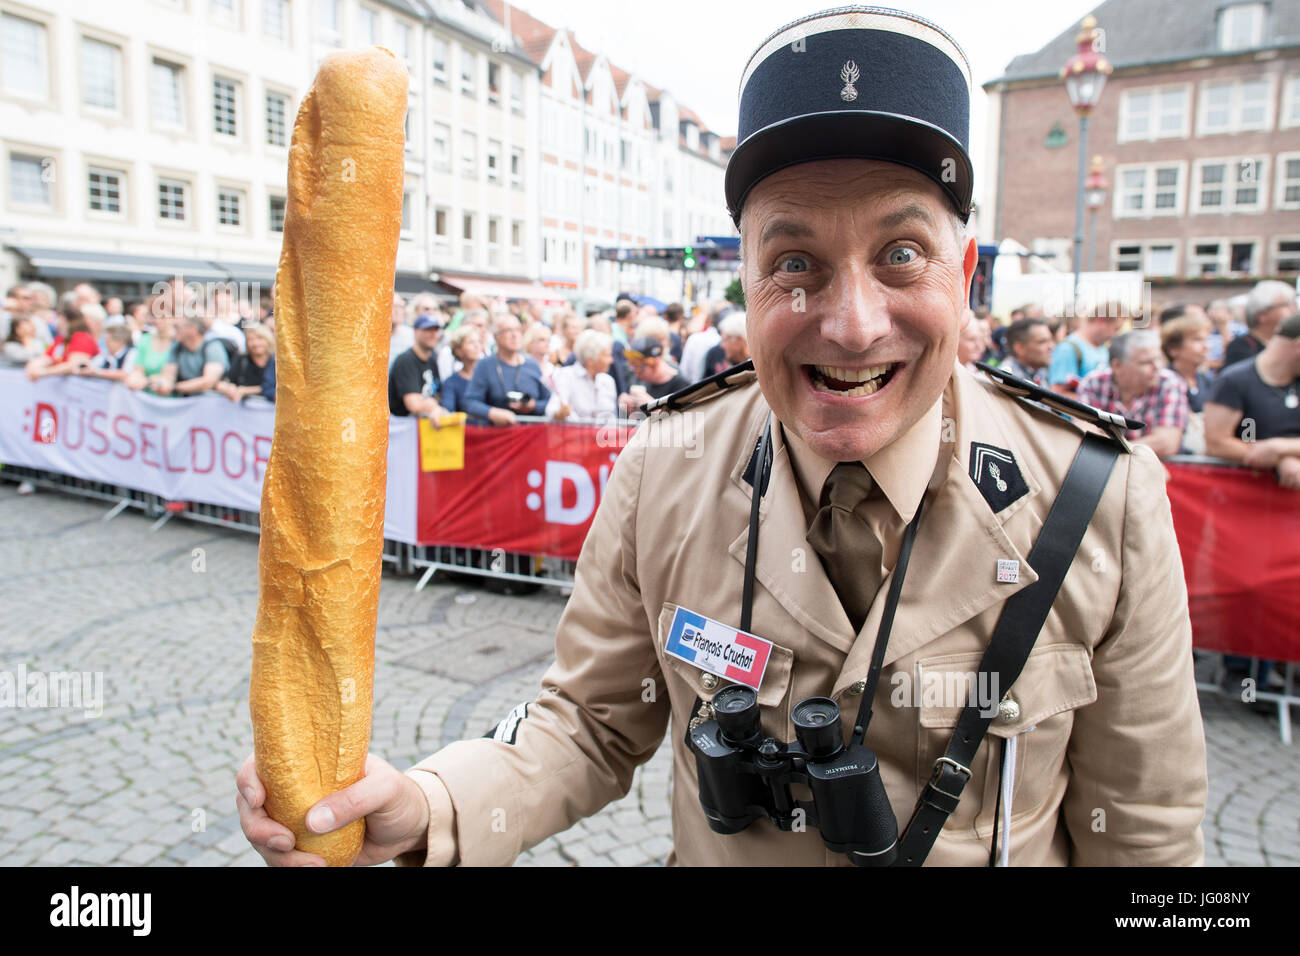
x: 531, y: 489
x: 1239, y: 533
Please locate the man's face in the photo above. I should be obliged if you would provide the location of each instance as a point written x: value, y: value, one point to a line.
x: 428, y: 338
x: 1036, y: 350
x: 970, y: 344
x: 1138, y: 372
x: 855, y: 289
x: 1283, y: 307
x: 644, y: 368
x: 736, y: 348
x: 508, y: 335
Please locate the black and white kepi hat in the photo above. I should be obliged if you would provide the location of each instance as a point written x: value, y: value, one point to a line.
x: 859, y: 83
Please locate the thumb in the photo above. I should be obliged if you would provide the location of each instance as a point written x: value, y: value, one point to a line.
x: 373, y: 792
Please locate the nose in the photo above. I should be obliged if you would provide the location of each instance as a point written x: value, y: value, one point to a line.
x: 856, y: 313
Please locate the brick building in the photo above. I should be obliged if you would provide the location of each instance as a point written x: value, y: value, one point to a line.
x: 1198, y: 130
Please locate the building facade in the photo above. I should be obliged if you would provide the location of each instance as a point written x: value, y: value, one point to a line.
x: 1198, y: 130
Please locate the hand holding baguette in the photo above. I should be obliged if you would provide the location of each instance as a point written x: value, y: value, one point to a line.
x: 322, y: 510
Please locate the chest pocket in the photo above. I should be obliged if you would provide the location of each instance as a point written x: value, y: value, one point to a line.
x: 1056, y: 680
x: 686, y: 682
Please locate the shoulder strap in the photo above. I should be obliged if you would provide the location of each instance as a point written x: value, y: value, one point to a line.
x: 1013, y: 638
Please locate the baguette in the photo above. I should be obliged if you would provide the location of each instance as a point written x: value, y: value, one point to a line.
x: 322, y: 517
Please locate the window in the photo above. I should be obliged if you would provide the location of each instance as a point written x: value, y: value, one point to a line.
x: 275, y: 20
x: 468, y: 154
x: 367, y: 27
x: 467, y: 234
x: 327, y: 22
x: 1288, y: 181
x: 494, y: 161
x: 101, y: 70
x: 104, y: 190
x: 440, y: 226
x: 225, y: 106
x: 517, y: 166
x: 440, y: 60
x: 277, y: 128
x: 1229, y: 185
x: 1291, y: 103
x: 402, y: 42
x: 1143, y: 191
x: 516, y: 91
x: 1286, y: 256
x: 167, y: 93
x: 517, y: 234
x: 25, y: 60
x: 406, y: 215
x: 494, y: 241
x: 275, y: 213
x: 1154, y: 113
x: 225, y: 12
x: 409, y: 124
x: 1242, y: 258
x: 1205, y: 259
x: 31, y: 180
x: 1241, y: 27
x: 494, y: 82
x: 230, y: 207
x: 441, y: 146
x: 173, y: 200
x: 1235, y: 106
x: 467, y: 68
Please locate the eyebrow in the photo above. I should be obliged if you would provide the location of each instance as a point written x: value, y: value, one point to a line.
x: 787, y: 229
x: 793, y: 229
x: 907, y: 213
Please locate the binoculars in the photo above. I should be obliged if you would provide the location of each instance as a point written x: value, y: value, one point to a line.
x: 744, y: 776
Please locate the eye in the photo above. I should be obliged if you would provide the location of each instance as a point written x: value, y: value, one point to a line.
x: 793, y: 264
x: 902, y: 255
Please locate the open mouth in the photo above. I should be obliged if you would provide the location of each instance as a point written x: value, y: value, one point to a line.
x: 850, y: 382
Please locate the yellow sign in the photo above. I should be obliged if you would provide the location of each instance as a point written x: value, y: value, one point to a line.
x: 443, y: 449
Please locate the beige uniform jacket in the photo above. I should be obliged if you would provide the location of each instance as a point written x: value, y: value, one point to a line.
x: 1110, y: 749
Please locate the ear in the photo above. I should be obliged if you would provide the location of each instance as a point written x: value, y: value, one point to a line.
x: 968, y: 263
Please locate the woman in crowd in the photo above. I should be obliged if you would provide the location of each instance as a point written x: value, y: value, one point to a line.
x: 1185, y: 342
x: 253, y: 373
x: 569, y: 325
x: 22, y: 344
x: 467, y: 348
x: 537, y: 345
x: 154, y: 347
x: 71, y: 350
x: 585, y: 389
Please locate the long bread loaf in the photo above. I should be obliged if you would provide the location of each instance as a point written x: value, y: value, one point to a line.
x: 322, y: 511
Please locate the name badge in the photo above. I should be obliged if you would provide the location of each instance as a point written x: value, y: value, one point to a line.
x: 718, y: 648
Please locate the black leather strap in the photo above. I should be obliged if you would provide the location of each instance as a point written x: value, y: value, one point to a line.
x: 1013, y: 638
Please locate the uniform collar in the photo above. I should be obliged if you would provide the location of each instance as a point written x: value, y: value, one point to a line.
x: 902, y: 468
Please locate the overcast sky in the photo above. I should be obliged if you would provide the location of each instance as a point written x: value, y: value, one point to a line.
x: 697, y: 48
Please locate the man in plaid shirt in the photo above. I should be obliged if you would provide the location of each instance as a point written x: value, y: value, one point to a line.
x: 1137, y: 385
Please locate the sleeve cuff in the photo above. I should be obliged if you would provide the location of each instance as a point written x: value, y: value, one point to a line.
x: 440, y: 848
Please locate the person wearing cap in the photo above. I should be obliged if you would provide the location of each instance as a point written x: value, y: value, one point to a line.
x: 645, y: 356
x: 851, y: 188
x: 413, y: 379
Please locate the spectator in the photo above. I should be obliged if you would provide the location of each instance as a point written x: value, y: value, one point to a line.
x: 403, y: 336
x: 508, y: 383
x: 18, y: 304
x: 1082, y: 351
x: 656, y: 328
x: 136, y: 315
x: 114, y: 307
x: 1185, y: 342
x: 698, y: 345
x: 221, y: 325
x: 1029, y: 350
x: 116, y: 359
x: 1268, y: 303
x: 1136, y: 386
x: 194, y: 365
x: 154, y: 348
x: 414, y: 385
x: 70, y: 350
x: 1226, y: 328
x: 468, y: 303
x: 537, y: 346
x: 466, y: 347
x: 585, y: 390
x: 96, y: 320
x: 86, y: 294
x: 476, y: 319
x: 619, y: 371
x: 675, y: 316
x: 43, y: 311
x: 22, y: 344
x: 970, y: 343
x: 569, y: 325
x: 624, y: 320
x: 732, y: 347
x: 658, y: 378
x: 254, y: 372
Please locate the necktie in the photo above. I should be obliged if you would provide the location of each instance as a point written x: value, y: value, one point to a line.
x: 849, y: 550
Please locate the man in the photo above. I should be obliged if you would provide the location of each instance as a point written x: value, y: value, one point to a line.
x: 1253, y: 412
x: 195, y: 365
x: 402, y: 336
x: 1030, y: 343
x: 1136, y: 385
x: 508, y: 383
x: 856, y: 271
x: 1082, y: 351
x: 697, y: 346
x: 1268, y: 303
x: 657, y: 377
x: 970, y: 344
x: 86, y: 294
x: 732, y: 348
x: 1226, y: 328
x: 624, y: 321
x: 413, y: 381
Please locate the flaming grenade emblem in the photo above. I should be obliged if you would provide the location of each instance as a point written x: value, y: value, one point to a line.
x: 849, y: 74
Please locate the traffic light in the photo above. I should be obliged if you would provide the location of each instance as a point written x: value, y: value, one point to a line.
x: 688, y: 258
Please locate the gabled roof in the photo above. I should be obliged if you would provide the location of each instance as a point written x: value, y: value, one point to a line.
x: 535, y: 37
x: 1140, y: 32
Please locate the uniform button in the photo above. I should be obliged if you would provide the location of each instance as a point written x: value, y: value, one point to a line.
x: 858, y: 687
x: 709, y: 681
x: 1008, y: 711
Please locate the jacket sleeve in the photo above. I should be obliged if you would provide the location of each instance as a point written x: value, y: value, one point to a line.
x: 475, y: 400
x: 602, y: 710
x: 1138, y: 785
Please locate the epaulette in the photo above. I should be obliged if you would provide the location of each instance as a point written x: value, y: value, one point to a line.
x: 704, y: 389
x: 1109, y: 423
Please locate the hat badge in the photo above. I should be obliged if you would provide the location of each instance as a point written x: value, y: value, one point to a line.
x: 849, y: 74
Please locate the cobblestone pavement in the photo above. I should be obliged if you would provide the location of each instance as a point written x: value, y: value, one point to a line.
x: 166, y: 616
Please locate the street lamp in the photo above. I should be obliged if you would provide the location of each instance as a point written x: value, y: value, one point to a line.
x: 1084, y: 75
x: 1096, y: 189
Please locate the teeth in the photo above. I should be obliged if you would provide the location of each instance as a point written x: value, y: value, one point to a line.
x: 866, y: 388
x: 852, y: 374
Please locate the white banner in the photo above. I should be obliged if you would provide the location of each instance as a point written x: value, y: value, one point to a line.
x: 203, y: 448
